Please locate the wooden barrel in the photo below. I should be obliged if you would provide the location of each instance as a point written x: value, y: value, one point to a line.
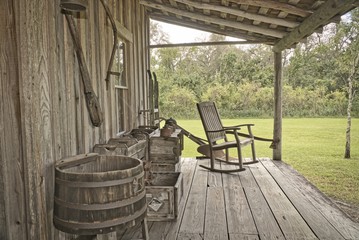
x: 98, y: 194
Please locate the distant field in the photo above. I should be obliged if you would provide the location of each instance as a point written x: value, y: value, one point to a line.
x: 313, y: 146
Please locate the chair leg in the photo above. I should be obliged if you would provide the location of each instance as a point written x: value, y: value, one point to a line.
x: 213, y: 169
x: 253, y: 152
x: 223, y: 170
x: 254, y: 158
x: 227, y: 155
x: 212, y: 160
x: 240, y: 158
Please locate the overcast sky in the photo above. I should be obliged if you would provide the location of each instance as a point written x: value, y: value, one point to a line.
x: 179, y: 34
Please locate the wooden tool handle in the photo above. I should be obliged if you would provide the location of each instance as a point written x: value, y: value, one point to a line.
x: 92, y: 103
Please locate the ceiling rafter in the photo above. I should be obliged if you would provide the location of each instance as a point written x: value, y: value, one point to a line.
x: 174, y: 4
x: 216, y: 20
x: 261, y: 11
x: 206, y: 11
x: 160, y: 2
x: 240, y: 13
x: 284, y: 14
x: 224, y: 3
x: 325, y: 12
x: 281, y: 24
x: 276, y: 5
x: 208, y: 28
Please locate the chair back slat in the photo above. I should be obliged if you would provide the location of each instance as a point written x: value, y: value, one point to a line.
x: 211, y: 121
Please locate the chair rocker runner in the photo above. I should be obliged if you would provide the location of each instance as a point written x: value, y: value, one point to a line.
x: 218, y: 141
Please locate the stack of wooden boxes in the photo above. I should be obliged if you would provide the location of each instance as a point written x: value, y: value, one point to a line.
x: 165, y: 185
x: 165, y: 152
x: 129, y: 145
x: 133, y: 144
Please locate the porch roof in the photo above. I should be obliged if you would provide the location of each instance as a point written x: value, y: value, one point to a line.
x: 279, y: 23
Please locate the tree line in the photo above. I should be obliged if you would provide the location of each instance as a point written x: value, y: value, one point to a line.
x: 240, y: 79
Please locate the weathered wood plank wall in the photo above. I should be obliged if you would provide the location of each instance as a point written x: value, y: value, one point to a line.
x: 11, y: 166
x: 43, y: 113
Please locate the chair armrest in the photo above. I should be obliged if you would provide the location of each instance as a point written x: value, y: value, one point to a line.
x: 214, y: 131
x: 234, y: 130
x: 240, y: 125
x: 231, y: 128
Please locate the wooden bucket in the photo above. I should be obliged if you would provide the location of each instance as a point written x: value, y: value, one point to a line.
x: 98, y: 194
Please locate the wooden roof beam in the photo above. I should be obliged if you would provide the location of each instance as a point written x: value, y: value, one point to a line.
x: 262, y: 11
x: 208, y: 12
x: 160, y: 2
x: 192, y: 44
x: 217, y: 21
x: 284, y: 14
x: 174, y: 4
x: 207, y: 28
x: 327, y: 10
x: 240, y: 13
x: 275, y: 5
x: 224, y: 3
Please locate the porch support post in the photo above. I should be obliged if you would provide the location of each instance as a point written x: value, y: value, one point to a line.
x: 277, y: 130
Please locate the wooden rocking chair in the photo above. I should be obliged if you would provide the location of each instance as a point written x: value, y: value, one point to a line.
x: 217, y: 138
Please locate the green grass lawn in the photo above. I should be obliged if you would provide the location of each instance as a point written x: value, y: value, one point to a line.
x: 313, y: 146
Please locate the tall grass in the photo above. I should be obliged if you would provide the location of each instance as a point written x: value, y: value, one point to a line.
x: 313, y: 146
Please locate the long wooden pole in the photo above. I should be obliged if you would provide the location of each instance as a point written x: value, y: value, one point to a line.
x: 92, y: 101
x: 277, y: 130
x: 115, y: 42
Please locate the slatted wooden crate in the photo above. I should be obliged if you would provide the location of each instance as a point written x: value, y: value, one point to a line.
x: 166, y: 149
x: 165, y: 167
x: 164, y: 196
x: 126, y: 146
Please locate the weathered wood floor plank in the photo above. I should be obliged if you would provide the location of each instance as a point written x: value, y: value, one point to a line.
x: 266, y: 224
x: 215, y: 221
x: 188, y: 169
x: 289, y: 220
x: 347, y: 228
x: 169, y: 229
x: 190, y: 236
x: 239, y: 217
x: 269, y: 200
x: 194, y: 213
x: 316, y: 221
x: 243, y: 237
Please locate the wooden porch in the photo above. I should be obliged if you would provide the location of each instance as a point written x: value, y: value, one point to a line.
x: 269, y: 200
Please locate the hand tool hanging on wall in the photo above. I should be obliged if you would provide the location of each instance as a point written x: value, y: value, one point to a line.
x: 115, y: 41
x: 92, y: 102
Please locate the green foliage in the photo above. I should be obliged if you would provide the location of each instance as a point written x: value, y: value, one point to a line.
x: 178, y: 103
x: 302, y: 102
x: 254, y: 65
x: 240, y: 80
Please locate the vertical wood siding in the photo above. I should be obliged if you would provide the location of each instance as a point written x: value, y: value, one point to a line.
x: 43, y: 113
x: 12, y: 220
